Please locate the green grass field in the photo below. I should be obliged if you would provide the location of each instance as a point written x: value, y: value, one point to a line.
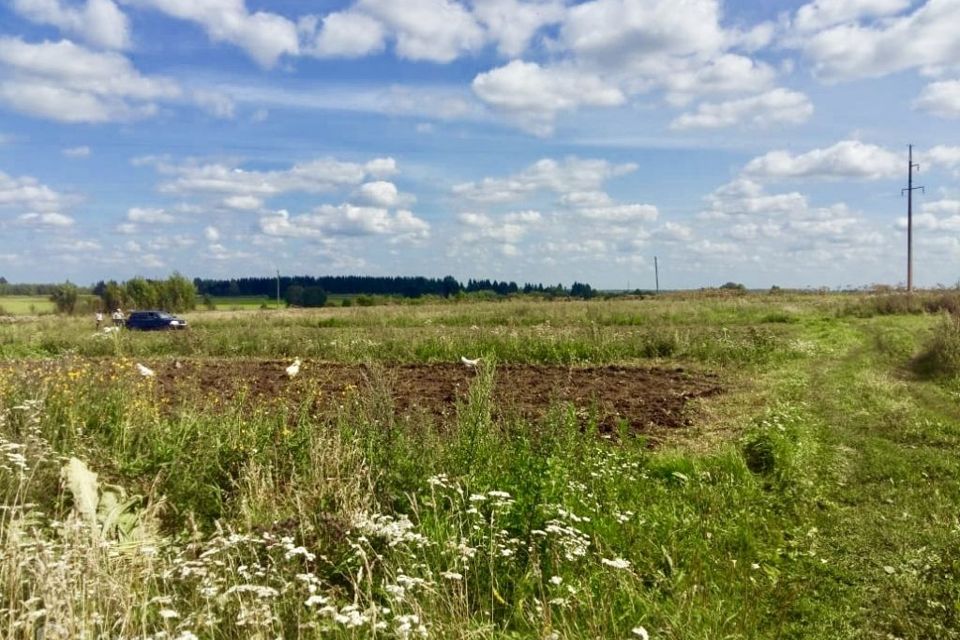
x: 25, y: 305
x: 816, y: 497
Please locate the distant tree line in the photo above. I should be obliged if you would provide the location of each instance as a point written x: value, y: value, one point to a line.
x: 10, y: 289
x: 294, y: 288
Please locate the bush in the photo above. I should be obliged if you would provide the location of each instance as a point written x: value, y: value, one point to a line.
x: 65, y: 298
x: 941, y: 355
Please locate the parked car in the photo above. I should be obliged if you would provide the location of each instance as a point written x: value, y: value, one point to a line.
x: 154, y: 321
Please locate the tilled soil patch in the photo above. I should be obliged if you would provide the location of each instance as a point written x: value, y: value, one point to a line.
x: 642, y: 398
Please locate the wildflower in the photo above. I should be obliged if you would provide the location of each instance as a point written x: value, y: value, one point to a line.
x: 641, y: 633
x: 452, y: 575
x: 315, y: 600
x: 556, y: 580
x: 616, y: 563
x: 168, y: 614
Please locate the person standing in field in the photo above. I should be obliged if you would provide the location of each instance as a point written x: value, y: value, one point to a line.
x: 117, y: 318
x: 99, y: 319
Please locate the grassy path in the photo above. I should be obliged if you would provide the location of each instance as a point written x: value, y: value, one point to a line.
x: 888, y: 485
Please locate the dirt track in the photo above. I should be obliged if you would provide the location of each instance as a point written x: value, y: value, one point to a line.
x: 644, y: 398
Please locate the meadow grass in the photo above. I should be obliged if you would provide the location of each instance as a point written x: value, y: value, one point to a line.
x: 827, y: 509
x: 25, y: 305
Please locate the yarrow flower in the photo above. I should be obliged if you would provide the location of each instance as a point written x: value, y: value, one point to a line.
x: 616, y: 563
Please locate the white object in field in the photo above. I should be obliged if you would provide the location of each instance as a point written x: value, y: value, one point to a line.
x: 82, y: 483
x: 145, y: 371
x: 110, y: 329
x: 468, y: 362
x: 294, y: 369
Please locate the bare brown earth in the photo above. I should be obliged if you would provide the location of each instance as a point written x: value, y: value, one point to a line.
x: 641, y: 398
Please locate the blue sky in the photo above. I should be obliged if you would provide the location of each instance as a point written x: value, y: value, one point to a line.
x: 529, y: 140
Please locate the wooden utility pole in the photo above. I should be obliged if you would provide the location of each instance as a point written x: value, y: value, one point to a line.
x: 911, y: 165
x: 656, y: 273
x: 278, y: 288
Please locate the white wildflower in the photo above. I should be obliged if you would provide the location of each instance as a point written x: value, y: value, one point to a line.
x: 641, y: 633
x: 616, y: 563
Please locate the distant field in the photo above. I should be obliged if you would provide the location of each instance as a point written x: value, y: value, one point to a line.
x: 239, y: 303
x: 242, y: 302
x: 24, y: 305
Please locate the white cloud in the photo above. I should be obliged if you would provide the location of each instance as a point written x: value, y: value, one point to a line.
x: 243, y: 203
x: 28, y: 193
x: 429, y: 30
x: 924, y: 39
x: 512, y: 24
x: 845, y: 159
x: 621, y: 213
x: 433, y: 30
x: 744, y: 197
x: 569, y: 176
x: 149, y: 216
x: 614, y: 32
x: 347, y: 220
x: 66, y: 82
x: 943, y: 156
x: 264, y: 36
x: 381, y: 193
x: 215, y: 103
x: 76, y: 152
x: 315, y: 176
x: 820, y: 14
x: 941, y: 99
x: 211, y: 233
x: 349, y: 34
x: 50, y: 219
x: 728, y: 74
x: 780, y: 106
x: 533, y: 95
x: 98, y: 22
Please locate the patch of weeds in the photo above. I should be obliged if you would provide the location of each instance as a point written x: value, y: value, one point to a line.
x: 940, y: 357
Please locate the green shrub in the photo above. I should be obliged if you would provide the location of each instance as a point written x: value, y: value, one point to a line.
x: 941, y: 355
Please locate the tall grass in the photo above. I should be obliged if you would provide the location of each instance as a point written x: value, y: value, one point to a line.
x: 370, y: 524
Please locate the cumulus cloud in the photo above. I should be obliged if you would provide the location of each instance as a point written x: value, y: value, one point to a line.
x: 430, y: 30
x: 349, y: 34
x: 149, y: 216
x: 827, y: 13
x: 264, y: 36
x: 315, y: 176
x: 347, y: 220
x: 98, y: 22
x: 944, y: 156
x: 941, y: 99
x: 533, y: 95
x: 924, y: 39
x: 567, y: 176
x: 845, y: 159
x: 730, y: 73
x: 780, y: 106
x: 28, y: 193
x: 50, y: 219
x: 512, y: 24
x: 381, y: 193
x: 744, y: 197
x: 69, y: 83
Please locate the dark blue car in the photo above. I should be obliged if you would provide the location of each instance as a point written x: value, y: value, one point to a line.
x: 154, y: 321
